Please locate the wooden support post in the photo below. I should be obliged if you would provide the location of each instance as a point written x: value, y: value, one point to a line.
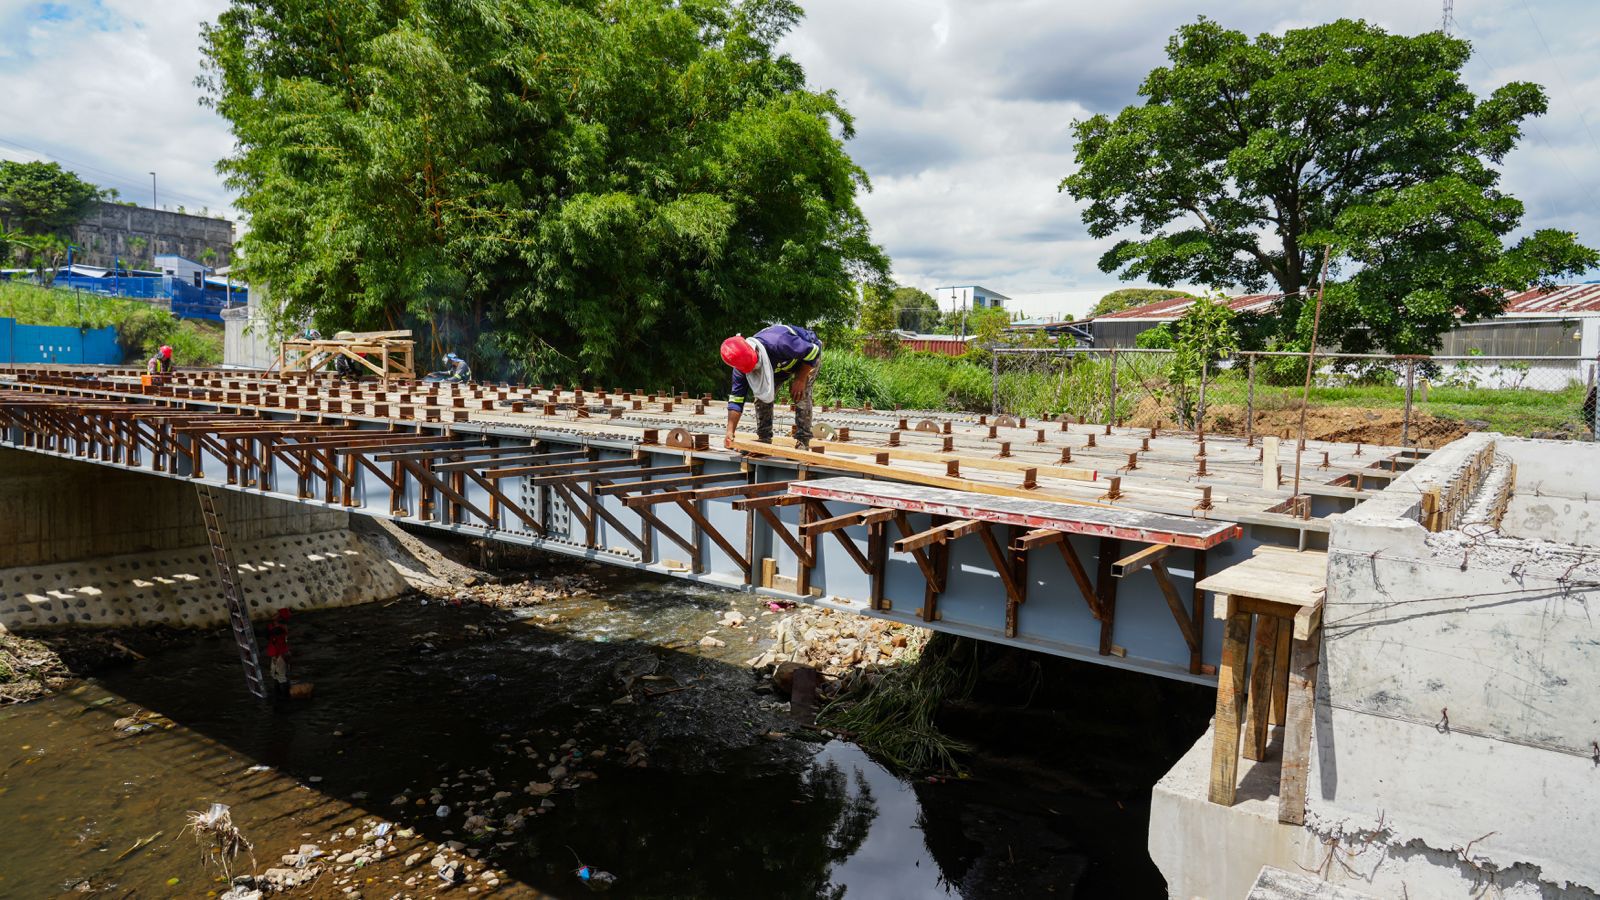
x: 1106, y: 591
x: 1230, y: 709
x: 1302, y: 695
x: 1280, y: 674
x: 1263, y: 665
x: 878, y: 558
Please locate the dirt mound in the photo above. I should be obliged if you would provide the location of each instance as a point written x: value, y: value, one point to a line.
x: 1348, y: 424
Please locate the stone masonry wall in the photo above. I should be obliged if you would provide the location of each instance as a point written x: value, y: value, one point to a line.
x: 105, y: 232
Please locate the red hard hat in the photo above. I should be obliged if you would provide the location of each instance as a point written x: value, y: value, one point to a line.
x: 737, y: 352
x: 167, y: 352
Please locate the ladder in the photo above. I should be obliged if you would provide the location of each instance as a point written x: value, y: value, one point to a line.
x: 244, y: 634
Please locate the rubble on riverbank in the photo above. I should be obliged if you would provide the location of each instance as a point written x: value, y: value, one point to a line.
x: 835, y: 642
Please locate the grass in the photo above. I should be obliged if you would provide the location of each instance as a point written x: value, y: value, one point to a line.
x: 1047, y: 386
x: 893, y: 716
x: 141, y: 327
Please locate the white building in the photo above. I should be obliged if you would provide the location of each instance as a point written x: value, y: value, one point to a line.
x: 182, y: 269
x: 969, y: 296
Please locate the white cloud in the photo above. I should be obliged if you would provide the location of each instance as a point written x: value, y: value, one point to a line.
x: 962, y: 110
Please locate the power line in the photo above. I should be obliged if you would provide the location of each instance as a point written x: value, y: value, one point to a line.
x: 1551, y: 55
x: 1533, y: 126
x: 133, y: 185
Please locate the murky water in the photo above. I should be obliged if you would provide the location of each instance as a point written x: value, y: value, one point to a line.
x: 467, y: 703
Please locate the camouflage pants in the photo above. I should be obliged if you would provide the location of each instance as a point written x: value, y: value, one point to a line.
x: 802, y: 415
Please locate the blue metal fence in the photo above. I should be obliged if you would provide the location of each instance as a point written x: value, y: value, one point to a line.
x: 58, y: 344
x: 188, y: 301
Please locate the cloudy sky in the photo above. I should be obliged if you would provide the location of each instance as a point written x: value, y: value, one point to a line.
x: 962, y: 108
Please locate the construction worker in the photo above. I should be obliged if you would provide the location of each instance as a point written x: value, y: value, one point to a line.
x: 278, y: 651
x: 763, y: 362
x: 456, y: 369
x: 161, y: 363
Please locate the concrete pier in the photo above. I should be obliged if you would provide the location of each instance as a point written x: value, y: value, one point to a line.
x: 1453, y: 749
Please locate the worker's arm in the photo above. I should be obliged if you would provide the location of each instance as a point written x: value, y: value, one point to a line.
x: 737, y: 393
x: 803, y: 376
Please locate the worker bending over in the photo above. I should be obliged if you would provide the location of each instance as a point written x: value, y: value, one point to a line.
x: 456, y: 369
x: 161, y: 363
x: 761, y: 363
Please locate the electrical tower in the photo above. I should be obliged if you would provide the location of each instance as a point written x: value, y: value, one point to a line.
x: 1448, y: 17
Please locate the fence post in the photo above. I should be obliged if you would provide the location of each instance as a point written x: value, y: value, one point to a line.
x: 1405, y: 421
x: 1111, y: 407
x: 1250, y: 400
x: 1594, y: 398
x: 1200, y: 412
x: 994, y: 385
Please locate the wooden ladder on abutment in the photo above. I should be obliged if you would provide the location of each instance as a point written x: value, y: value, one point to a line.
x: 244, y: 634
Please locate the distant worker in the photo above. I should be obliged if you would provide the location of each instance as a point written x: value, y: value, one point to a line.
x: 456, y: 369
x: 763, y: 362
x: 278, y: 651
x: 161, y: 363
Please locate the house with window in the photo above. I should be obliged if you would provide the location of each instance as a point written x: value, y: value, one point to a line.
x: 969, y: 296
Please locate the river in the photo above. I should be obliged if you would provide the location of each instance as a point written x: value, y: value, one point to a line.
x: 426, y: 713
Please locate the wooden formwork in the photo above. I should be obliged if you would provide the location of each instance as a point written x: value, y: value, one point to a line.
x: 386, y: 354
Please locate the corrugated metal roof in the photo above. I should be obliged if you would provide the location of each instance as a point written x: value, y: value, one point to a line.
x: 1562, y: 300
x: 1173, y: 308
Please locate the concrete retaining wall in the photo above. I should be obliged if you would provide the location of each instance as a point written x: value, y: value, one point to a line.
x: 56, y: 511
x: 180, y: 587
x: 91, y: 546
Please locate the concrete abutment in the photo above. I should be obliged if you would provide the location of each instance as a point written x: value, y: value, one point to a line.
x: 88, y: 546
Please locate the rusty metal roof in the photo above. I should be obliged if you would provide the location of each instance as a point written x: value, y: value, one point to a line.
x: 1561, y: 300
x: 1173, y: 308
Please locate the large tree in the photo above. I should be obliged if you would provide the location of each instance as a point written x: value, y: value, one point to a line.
x: 563, y: 189
x: 41, y: 198
x: 1246, y: 158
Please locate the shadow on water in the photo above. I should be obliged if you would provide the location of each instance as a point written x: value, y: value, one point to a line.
x: 475, y: 705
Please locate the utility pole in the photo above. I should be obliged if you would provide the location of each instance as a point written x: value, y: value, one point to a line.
x: 155, y: 205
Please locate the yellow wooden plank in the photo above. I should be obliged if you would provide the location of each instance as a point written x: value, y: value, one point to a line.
x: 833, y: 461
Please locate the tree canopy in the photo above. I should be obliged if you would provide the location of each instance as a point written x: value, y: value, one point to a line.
x: 1128, y: 298
x: 560, y: 189
x: 41, y: 198
x: 915, y: 309
x: 1247, y: 157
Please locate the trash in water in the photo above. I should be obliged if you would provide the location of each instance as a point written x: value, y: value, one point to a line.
x: 595, y: 879
x: 219, y: 839
x: 442, y: 812
x: 253, y: 769
x: 383, y: 829
x: 780, y: 605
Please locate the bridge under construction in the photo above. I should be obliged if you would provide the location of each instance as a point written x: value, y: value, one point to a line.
x: 1183, y: 555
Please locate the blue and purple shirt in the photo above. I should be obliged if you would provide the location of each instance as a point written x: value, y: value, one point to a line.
x: 788, y: 348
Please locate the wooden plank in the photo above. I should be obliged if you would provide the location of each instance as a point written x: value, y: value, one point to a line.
x: 1263, y: 664
x: 1302, y: 696
x: 1295, y: 578
x: 842, y: 464
x: 1143, y: 558
x: 1280, y: 675
x: 1175, y: 603
x: 1067, y: 473
x: 1032, y: 511
x: 1230, y: 709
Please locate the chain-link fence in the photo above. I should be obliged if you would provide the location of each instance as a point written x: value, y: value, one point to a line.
x: 1392, y: 399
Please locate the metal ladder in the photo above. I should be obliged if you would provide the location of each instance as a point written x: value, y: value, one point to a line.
x: 244, y: 634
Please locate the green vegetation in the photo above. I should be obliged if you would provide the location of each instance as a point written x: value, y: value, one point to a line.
x: 1247, y: 157
x: 893, y: 715
x: 557, y: 189
x: 141, y: 327
x: 1050, y: 385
